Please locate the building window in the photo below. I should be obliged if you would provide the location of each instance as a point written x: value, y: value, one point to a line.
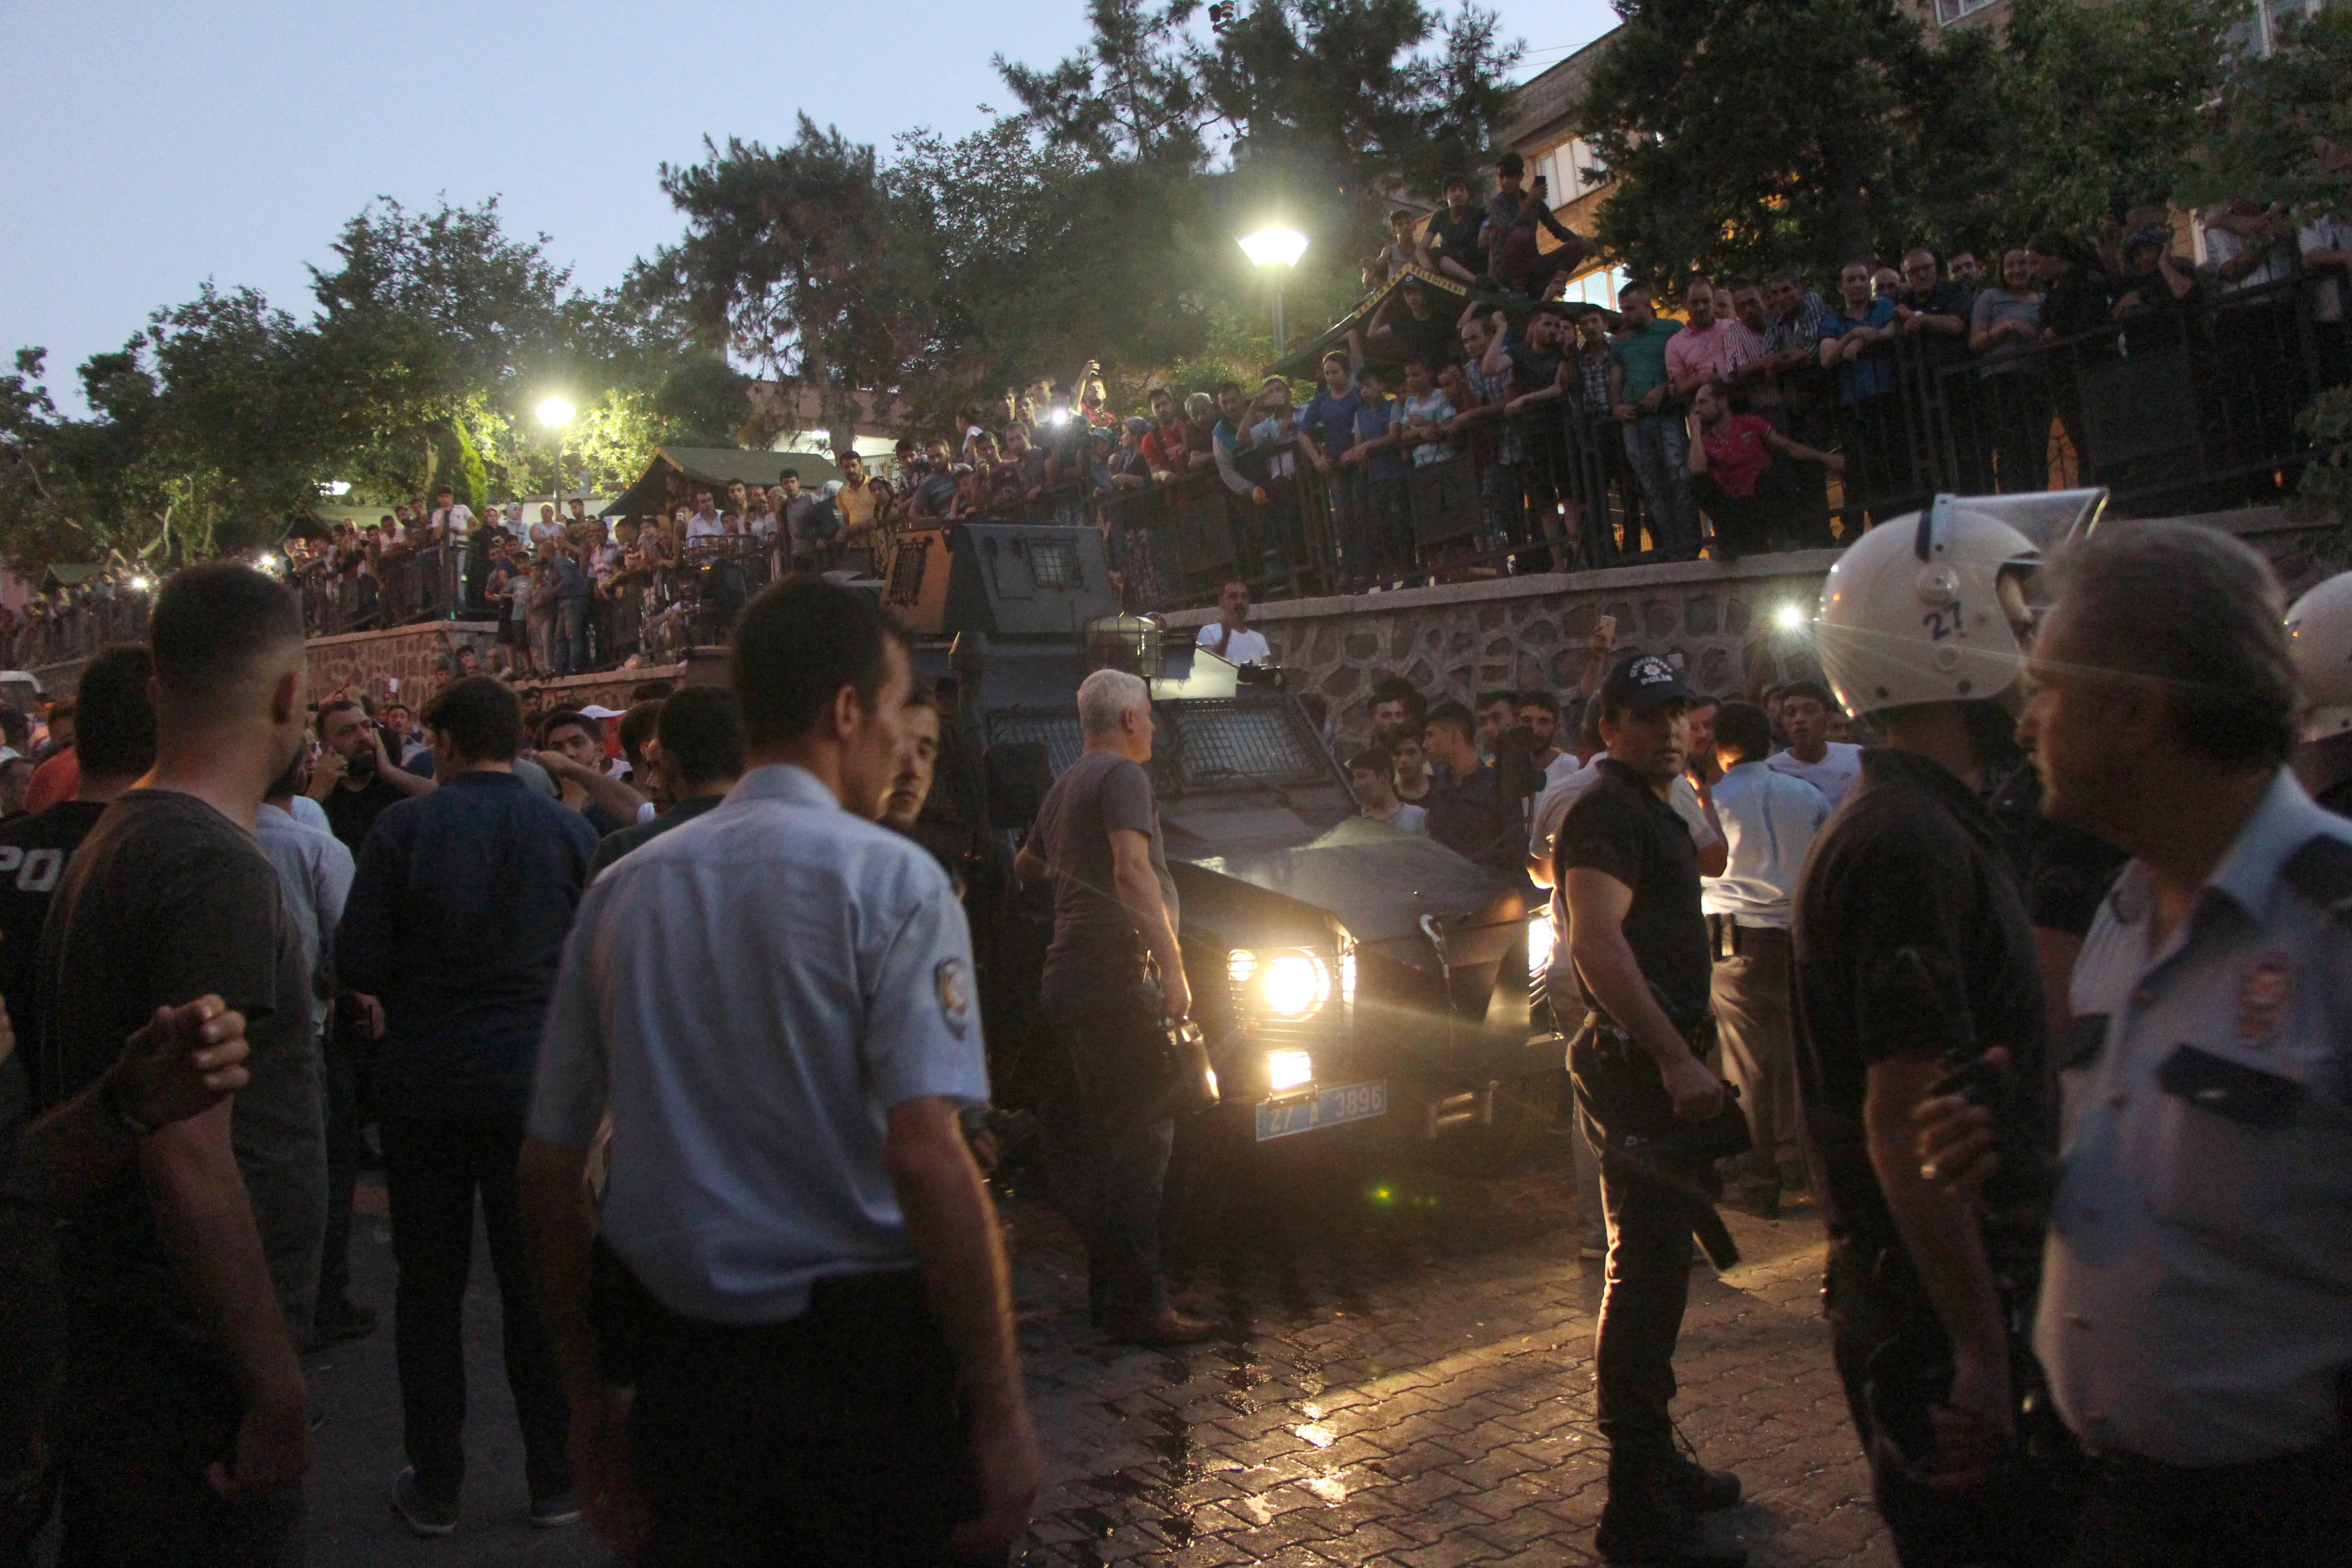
x: 1598, y: 287
x: 1950, y: 11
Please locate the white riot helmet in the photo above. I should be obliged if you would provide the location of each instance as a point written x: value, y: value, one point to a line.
x: 2319, y: 636
x: 1912, y: 611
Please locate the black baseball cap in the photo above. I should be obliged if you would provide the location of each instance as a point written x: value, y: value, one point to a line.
x: 1644, y: 683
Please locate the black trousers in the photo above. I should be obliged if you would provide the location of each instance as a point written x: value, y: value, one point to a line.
x: 1749, y: 523
x: 835, y: 1438
x: 1649, y: 1258
x: 141, y: 1424
x: 1895, y: 1361
x: 341, y: 1056
x: 1124, y: 1131
x: 2144, y: 1514
x: 434, y: 1169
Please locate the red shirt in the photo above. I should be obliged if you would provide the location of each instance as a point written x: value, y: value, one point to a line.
x: 1739, y: 459
x: 57, y: 779
x: 1164, y: 449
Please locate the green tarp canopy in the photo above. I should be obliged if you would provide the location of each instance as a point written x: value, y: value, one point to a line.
x: 717, y: 466
x: 1308, y: 361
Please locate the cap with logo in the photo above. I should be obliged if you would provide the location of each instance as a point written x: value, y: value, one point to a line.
x: 1644, y: 683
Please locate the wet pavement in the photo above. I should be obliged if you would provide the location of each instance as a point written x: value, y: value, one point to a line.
x: 1406, y: 1377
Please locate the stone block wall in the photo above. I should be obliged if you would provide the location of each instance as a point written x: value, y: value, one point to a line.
x: 1718, y: 622
x: 370, y: 661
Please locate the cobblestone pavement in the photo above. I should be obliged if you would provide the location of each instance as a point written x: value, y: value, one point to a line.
x: 1407, y: 1378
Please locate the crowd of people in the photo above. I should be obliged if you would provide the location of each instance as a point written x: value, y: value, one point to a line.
x: 675, y: 999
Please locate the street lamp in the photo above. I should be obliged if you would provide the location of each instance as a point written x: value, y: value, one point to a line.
x: 1276, y: 248
x: 555, y: 413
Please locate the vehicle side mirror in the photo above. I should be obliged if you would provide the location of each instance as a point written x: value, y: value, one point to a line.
x: 1017, y: 775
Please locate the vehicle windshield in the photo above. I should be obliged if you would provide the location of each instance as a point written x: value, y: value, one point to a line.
x: 1202, y: 746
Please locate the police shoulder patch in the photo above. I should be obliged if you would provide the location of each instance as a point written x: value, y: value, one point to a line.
x: 952, y: 980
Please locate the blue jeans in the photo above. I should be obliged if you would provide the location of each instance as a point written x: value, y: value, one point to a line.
x: 1658, y: 447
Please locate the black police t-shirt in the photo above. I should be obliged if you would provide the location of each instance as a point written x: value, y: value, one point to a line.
x: 352, y: 811
x: 166, y: 901
x: 33, y: 855
x: 1910, y: 940
x: 1621, y: 828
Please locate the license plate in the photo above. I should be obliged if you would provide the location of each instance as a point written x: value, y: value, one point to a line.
x: 1326, y: 1107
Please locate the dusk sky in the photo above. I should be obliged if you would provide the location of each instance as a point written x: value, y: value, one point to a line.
x: 155, y: 146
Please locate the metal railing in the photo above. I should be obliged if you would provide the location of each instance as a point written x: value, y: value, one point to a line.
x: 2190, y: 408
x: 78, y: 629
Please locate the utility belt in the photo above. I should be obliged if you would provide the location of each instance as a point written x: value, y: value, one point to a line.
x: 1725, y: 937
x: 1643, y: 1142
x: 848, y: 1314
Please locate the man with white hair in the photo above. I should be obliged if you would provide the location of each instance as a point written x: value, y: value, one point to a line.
x: 1113, y: 975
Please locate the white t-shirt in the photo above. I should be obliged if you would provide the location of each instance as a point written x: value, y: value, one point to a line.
x: 1406, y: 818
x: 1245, y: 646
x: 699, y: 526
x: 454, y: 523
x: 1832, y: 775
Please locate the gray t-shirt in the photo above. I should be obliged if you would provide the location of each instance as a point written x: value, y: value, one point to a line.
x: 2007, y: 357
x: 1094, y: 938
x: 165, y: 900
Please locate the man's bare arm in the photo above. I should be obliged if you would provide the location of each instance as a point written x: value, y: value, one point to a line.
x: 1596, y: 904
x: 952, y: 1225
x: 603, y: 789
x: 1138, y: 891
x: 205, y: 1221
x: 1940, y: 1233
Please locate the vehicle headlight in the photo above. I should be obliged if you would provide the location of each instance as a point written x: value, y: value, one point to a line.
x: 1295, y: 984
x: 1287, y: 1070
x: 1289, y: 985
x: 1539, y: 942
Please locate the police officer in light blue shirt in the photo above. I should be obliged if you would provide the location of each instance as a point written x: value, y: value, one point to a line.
x: 2195, y: 1312
x: 797, y: 1269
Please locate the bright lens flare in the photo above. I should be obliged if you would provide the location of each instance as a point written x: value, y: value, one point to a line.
x: 1241, y: 967
x: 1790, y: 618
x: 1287, y: 1070
x: 1274, y: 246
x: 1296, y: 984
x: 555, y: 413
x: 1539, y: 942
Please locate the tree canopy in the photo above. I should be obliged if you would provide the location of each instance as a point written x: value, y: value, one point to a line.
x: 433, y: 334
x: 1754, y: 134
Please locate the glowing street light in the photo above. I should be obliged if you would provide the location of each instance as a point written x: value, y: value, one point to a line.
x: 556, y: 413
x: 1790, y: 618
x: 1276, y: 248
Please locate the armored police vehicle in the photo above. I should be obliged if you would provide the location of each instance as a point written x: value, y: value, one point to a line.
x: 1354, y: 981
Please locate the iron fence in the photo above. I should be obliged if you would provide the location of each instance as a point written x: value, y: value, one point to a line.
x: 2187, y: 408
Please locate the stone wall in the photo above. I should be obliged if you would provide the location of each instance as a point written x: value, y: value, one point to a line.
x: 370, y: 661
x: 1719, y: 621
x: 1456, y: 640
x: 416, y: 655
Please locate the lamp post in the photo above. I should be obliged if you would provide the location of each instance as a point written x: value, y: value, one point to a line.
x: 1276, y: 248
x: 556, y: 415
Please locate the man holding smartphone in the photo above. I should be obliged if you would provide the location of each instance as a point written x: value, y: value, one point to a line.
x: 352, y: 780
x: 1513, y: 255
